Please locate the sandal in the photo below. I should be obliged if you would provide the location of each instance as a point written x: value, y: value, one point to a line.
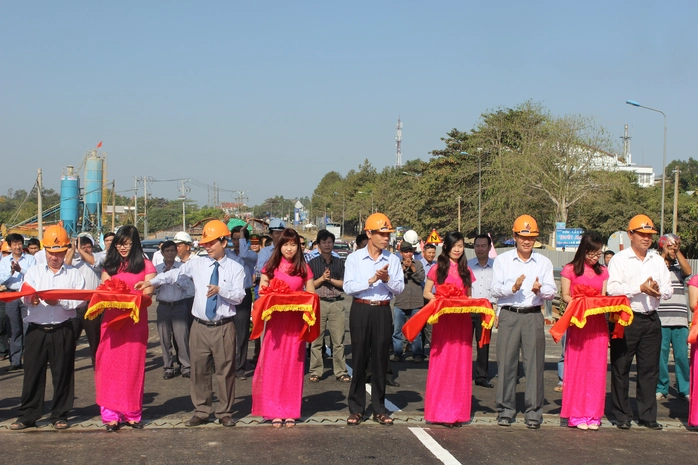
x: 314, y: 379
x: 60, y: 424
x: 277, y: 423
x: 290, y: 423
x: 344, y: 379
x: 18, y: 425
x: 383, y: 419
x: 354, y: 419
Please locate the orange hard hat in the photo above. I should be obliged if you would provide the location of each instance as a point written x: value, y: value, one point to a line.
x: 525, y: 225
x: 5, y: 247
x: 213, y: 230
x: 378, y: 222
x: 56, y: 239
x: 641, y: 223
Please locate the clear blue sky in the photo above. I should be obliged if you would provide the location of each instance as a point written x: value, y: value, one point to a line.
x: 267, y: 97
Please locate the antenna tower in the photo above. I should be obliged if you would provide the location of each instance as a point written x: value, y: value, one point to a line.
x: 398, y: 143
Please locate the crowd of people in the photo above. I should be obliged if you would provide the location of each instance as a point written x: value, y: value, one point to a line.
x: 205, y: 304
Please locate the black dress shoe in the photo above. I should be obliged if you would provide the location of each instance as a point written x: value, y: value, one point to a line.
x: 533, y: 425
x: 15, y: 367
x: 186, y: 375
x: 227, y: 421
x: 623, y: 424
x: 391, y: 382
x: 651, y: 425
x: 484, y: 383
x: 168, y: 375
x: 112, y: 428
x: 196, y: 421
x: 135, y: 425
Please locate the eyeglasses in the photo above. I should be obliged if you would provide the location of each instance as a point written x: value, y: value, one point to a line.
x: 594, y: 254
x: 125, y: 245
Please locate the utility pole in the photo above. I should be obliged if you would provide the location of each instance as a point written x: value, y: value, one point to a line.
x: 145, y: 207
x: 40, y: 221
x: 676, y: 201
x: 183, y: 197
x: 113, y: 205
x: 135, y: 202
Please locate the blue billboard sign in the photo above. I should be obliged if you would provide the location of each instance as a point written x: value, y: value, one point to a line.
x: 568, y: 237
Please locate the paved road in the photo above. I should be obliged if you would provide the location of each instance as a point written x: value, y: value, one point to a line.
x: 167, y: 405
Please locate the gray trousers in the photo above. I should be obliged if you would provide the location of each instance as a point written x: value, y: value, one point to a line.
x: 217, y: 344
x: 332, y: 317
x: 173, y: 322
x: 16, y: 313
x: 520, y: 332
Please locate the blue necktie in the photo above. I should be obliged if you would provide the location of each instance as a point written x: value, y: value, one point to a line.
x: 212, y: 302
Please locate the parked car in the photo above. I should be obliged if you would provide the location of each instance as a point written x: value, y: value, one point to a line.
x: 150, y: 246
x: 342, y: 249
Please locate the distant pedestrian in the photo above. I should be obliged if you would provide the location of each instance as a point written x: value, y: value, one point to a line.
x: 408, y: 303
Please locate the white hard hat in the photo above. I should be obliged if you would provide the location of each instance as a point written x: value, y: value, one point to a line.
x: 182, y: 237
x: 412, y: 237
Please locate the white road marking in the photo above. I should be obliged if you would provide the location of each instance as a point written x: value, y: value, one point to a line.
x: 434, y: 447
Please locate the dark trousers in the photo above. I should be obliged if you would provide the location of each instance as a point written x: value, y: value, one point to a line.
x: 643, y: 341
x: 241, y: 320
x: 371, y: 334
x: 57, y: 349
x: 4, y: 330
x: 16, y: 313
x: 483, y: 353
x: 92, y: 329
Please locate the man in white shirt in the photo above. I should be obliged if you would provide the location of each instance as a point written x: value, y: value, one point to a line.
x: 12, y: 271
x: 50, y: 338
x: 521, y: 281
x: 642, y: 276
x: 172, y: 316
x: 184, y: 245
x: 481, y: 266
x: 219, y: 286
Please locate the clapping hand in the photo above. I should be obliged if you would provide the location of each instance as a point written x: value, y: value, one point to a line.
x: 650, y: 287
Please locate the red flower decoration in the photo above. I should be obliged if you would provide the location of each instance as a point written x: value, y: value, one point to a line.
x: 276, y: 286
x: 114, y: 285
x: 581, y: 290
x: 448, y: 291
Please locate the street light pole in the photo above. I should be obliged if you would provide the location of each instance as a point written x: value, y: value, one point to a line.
x: 661, y: 221
x: 361, y: 192
x: 479, y: 192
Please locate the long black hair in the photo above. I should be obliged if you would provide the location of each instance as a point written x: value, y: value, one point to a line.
x: 134, y: 261
x: 591, y: 242
x: 444, y: 262
x: 298, y: 261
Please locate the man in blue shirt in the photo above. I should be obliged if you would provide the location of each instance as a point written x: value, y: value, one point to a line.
x: 12, y: 271
x: 481, y: 266
x: 372, y: 277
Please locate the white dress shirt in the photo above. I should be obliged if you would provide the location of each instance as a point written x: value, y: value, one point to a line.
x: 627, y: 272
x: 41, y: 278
x: 360, y: 267
x: 506, y: 270
x: 187, y: 284
x: 231, y: 277
x: 482, y: 287
x: 12, y: 279
x: 171, y: 292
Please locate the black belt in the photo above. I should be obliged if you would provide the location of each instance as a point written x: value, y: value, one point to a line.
x: 522, y: 310
x: 170, y: 304
x: 51, y: 328
x: 210, y: 324
x: 373, y: 303
x: 645, y: 314
x: 331, y: 299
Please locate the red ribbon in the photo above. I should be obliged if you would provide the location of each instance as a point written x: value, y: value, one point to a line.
x: 586, y: 302
x: 278, y: 297
x: 450, y: 299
